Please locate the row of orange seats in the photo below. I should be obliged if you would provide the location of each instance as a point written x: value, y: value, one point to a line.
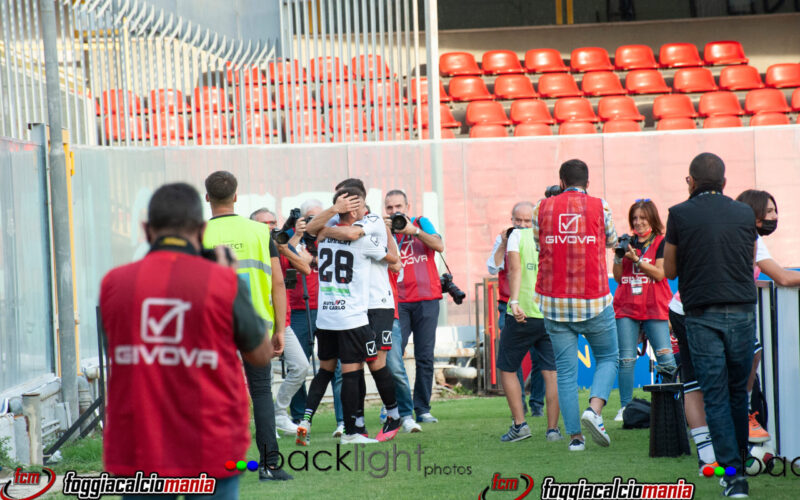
x: 325, y: 68
x: 584, y: 59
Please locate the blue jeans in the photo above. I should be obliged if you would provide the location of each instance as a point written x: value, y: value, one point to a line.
x: 301, y: 331
x: 226, y: 489
x: 721, y: 345
x: 394, y: 360
x: 601, y: 333
x: 420, y: 318
x: 537, y: 381
x: 657, y: 332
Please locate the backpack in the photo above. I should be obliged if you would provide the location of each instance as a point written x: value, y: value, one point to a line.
x: 636, y: 415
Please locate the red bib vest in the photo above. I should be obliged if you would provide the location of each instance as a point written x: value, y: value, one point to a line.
x: 296, y: 296
x: 285, y: 266
x: 653, y: 302
x: 503, y: 288
x: 420, y: 278
x: 572, y: 247
x: 393, y: 281
x: 177, y: 402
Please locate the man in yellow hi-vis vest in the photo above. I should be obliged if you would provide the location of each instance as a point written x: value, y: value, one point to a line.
x: 257, y: 256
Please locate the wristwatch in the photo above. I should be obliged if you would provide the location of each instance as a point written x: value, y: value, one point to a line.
x: 512, y: 302
x: 417, y: 233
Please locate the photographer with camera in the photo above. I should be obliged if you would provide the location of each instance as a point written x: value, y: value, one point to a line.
x: 572, y: 231
x: 642, y: 298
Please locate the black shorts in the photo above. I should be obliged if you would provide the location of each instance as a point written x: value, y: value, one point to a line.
x: 381, y: 322
x: 348, y: 346
x: 516, y: 340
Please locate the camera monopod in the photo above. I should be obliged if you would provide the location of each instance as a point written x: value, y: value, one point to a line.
x: 310, y: 326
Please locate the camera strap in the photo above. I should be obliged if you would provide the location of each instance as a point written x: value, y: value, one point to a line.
x: 445, y: 262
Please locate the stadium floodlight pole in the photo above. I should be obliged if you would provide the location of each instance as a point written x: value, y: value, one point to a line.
x: 310, y: 326
x: 57, y: 171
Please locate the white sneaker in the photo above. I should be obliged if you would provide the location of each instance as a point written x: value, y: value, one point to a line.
x: 339, y: 430
x: 356, y: 439
x: 410, y: 426
x: 284, y: 423
x: 593, y: 423
x: 618, y: 418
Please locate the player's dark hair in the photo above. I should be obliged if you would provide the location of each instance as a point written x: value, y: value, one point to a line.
x: 708, y: 170
x: 352, y: 181
x: 349, y: 191
x: 221, y: 186
x: 574, y: 173
x: 758, y: 201
x: 175, y: 206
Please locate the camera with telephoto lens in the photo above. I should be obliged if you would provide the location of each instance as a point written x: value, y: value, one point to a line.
x: 399, y: 222
x: 552, y: 191
x: 284, y: 234
x: 622, y: 245
x: 448, y: 286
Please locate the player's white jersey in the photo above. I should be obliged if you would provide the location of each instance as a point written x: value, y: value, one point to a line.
x: 345, y: 271
x: 380, y: 290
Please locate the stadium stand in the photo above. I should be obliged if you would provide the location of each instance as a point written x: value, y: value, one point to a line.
x: 500, y: 62
x: 576, y: 127
x: 458, y: 64
x: 281, y: 71
x: 781, y: 76
x: 628, y: 57
x: 740, y: 78
x: 532, y: 129
x: 724, y: 52
x: 114, y: 102
x: 645, y: 81
x: 765, y: 101
x: 423, y: 91
x: 558, y: 85
x: 769, y: 119
x: 600, y: 83
x: 673, y: 106
x: 679, y: 55
x: 487, y: 112
x: 544, y: 61
x: 530, y: 111
x: 485, y: 131
x: 590, y: 59
x: 722, y: 121
x: 618, y: 108
x: 514, y: 87
x: 613, y: 126
x: 469, y: 88
x: 676, y: 124
x: 719, y: 103
x: 694, y: 80
x: 327, y: 69
x: 448, y: 121
x: 369, y: 67
x: 574, y: 109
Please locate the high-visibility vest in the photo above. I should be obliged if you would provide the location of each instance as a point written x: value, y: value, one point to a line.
x: 529, y: 261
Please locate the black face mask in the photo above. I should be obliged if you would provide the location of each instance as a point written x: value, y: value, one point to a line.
x: 768, y: 226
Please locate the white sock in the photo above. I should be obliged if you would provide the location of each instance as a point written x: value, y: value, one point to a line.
x: 705, y: 450
x: 393, y: 413
x: 749, y: 396
x: 359, y: 421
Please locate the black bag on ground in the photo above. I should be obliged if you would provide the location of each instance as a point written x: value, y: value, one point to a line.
x: 636, y: 415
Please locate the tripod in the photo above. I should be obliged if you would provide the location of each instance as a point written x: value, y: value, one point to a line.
x: 310, y: 326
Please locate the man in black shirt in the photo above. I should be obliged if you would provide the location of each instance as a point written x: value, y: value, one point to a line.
x: 710, y: 246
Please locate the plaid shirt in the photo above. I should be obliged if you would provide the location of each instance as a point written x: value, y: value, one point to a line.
x: 571, y: 309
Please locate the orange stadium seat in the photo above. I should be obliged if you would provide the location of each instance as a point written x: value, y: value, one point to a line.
x: 444, y: 112
x: 530, y: 111
x: 673, y: 106
x: 485, y: 130
x: 490, y: 112
x: 578, y: 109
x: 719, y: 103
x: 781, y: 76
x: 740, y: 78
x: 348, y: 121
x: 411, y: 91
x: 590, y: 59
x: 694, y: 80
x: 311, y: 123
x: 646, y: 81
x: 469, y: 88
x: 446, y: 134
x: 570, y: 128
x: 724, y: 52
x: 210, y: 99
x: 339, y: 94
x: 531, y: 129
x: 254, y: 75
x: 676, y: 124
x: 114, y: 102
x: 679, y: 55
x: 722, y: 121
x: 614, y: 126
x: 383, y: 89
x: 257, y: 128
x: 396, y: 118
x: 618, y: 108
x: 500, y: 62
x: 330, y: 69
x: 119, y: 126
x: 769, y: 119
x: 255, y: 97
x: 558, y: 85
x: 795, y: 100
x: 282, y: 71
x: 598, y: 83
x: 628, y: 57
x: 458, y: 64
x: 514, y: 87
x: 167, y: 100
x: 544, y: 61
x: 298, y: 95
x: 168, y: 128
x: 765, y: 101
x: 210, y: 128
x: 369, y: 67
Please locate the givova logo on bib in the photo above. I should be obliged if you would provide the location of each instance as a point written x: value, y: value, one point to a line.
x: 568, y: 229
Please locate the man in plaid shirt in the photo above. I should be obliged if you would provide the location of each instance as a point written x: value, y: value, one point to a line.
x: 572, y: 231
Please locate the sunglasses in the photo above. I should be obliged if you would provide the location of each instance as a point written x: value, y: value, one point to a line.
x: 642, y: 200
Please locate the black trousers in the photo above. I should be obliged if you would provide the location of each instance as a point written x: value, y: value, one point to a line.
x: 259, y: 382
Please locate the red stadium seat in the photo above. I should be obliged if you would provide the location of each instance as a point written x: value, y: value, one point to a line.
x: 339, y: 94
x: 577, y: 109
x: 169, y: 128
x: 444, y: 112
x: 740, y: 78
x: 411, y: 91
x: 311, y: 123
x: 679, y: 55
x: 614, y: 126
x: 396, y: 118
x: 458, y: 64
x: 257, y: 128
x: 673, y: 106
x: 781, y: 76
x: 694, y: 80
x: 769, y: 119
x: 469, y: 88
x: 676, y: 124
x: 558, y: 85
x: 646, y: 81
x: 210, y: 99
x: 628, y: 57
x: 446, y: 134
x: 118, y: 127
x: 500, y: 62
x: 722, y: 121
x: 618, y: 108
x: 569, y: 128
x: 370, y: 67
x: 255, y: 97
x: 530, y: 111
x: 327, y: 69
x: 167, y: 100
x: 544, y: 61
x: 590, y: 59
x: 531, y: 129
x: 383, y: 89
x: 727, y: 52
x: 114, y: 102
x: 282, y: 71
x: 254, y: 75
x: 601, y: 83
x: 719, y: 103
x: 765, y: 101
x: 299, y: 95
x: 211, y: 128
x: 348, y: 121
x: 488, y: 130
x: 795, y: 100
x: 490, y: 112
x: 514, y: 87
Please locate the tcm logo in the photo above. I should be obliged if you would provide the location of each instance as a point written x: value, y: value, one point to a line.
x: 568, y: 223
x: 28, y: 485
x: 509, y: 484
